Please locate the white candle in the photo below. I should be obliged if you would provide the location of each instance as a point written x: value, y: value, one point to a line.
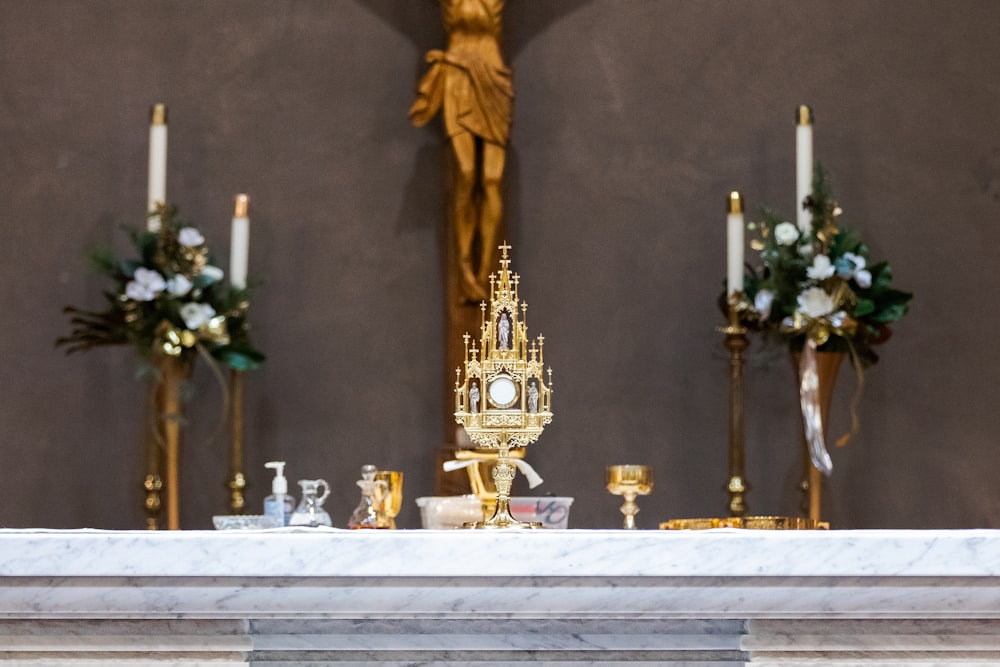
x: 239, y: 244
x: 157, y: 164
x: 734, y: 243
x: 803, y: 164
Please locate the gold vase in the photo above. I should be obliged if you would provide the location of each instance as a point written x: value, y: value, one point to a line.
x: 163, y: 454
x: 827, y: 369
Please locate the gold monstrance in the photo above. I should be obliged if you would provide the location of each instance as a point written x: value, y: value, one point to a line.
x: 504, y: 401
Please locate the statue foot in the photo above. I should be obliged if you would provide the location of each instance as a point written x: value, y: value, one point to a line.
x: 472, y: 289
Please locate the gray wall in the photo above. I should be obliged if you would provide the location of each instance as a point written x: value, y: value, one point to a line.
x: 634, y: 118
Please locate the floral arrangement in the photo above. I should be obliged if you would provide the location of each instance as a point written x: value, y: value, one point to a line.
x: 170, y: 301
x: 817, y: 283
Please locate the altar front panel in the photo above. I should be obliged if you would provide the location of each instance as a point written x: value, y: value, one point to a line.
x: 587, y: 597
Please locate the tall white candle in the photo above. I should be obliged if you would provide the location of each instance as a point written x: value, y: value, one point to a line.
x: 157, y: 163
x: 734, y: 243
x: 239, y: 244
x: 803, y: 164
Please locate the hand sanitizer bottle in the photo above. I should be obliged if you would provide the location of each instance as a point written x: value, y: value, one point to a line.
x: 279, y: 504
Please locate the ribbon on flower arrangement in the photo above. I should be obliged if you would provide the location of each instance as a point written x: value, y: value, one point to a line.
x: 817, y: 331
x: 173, y: 340
x: 534, y: 479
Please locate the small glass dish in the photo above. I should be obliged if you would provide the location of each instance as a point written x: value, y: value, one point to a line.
x: 244, y: 522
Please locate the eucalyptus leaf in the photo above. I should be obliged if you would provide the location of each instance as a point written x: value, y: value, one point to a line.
x: 239, y: 359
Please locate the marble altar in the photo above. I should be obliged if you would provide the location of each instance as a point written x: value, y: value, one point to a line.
x: 310, y: 597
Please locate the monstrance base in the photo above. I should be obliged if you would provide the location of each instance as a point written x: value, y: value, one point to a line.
x: 515, y: 525
x: 502, y: 520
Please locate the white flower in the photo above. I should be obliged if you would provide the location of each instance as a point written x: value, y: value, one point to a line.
x: 139, y: 292
x: 179, y: 285
x: 858, y: 271
x: 196, y: 314
x: 213, y: 273
x: 821, y: 268
x: 762, y: 303
x: 805, y: 250
x: 815, y: 302
x: 848, y: 264
x: 786, y: 233
x: 150, y: 278
x: 189, y: 236
x: 858, y: 261
x: 145, y: 285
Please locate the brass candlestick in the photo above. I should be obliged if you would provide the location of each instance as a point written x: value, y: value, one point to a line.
x: 239, y: 244
x: 630, y: 481
x: 736, y: 342
x: 237, y: 481
x: 153, y: 485
x: 503, y: 401
x: 174, y: 371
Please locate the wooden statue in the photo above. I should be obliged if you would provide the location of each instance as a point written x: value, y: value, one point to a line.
x: 471, y: 87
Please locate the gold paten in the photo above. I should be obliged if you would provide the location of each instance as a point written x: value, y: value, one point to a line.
x: 504, y: 400
x: 747, y: 522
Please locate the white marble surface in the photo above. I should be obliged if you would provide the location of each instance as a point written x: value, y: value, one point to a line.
x: 339, y: 553
x: 306, y: 597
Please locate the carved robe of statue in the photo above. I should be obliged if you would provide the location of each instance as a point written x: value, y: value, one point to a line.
x: 471, y: 87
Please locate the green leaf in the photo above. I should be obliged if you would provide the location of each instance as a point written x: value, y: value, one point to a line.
x: 103, y: 261
x: 846, y: 240
x: 890, y: 305
x: 891, y: 313
x: 881, y: 275
x: 891, y: 297
x: 128, y: 267
x: 864, y: 307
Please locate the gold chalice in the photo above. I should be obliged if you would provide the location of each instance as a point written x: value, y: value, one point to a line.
x: 392, y: 502
x: 630, y: 481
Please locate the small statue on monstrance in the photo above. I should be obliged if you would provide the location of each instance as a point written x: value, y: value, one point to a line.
x: 471, y: 86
